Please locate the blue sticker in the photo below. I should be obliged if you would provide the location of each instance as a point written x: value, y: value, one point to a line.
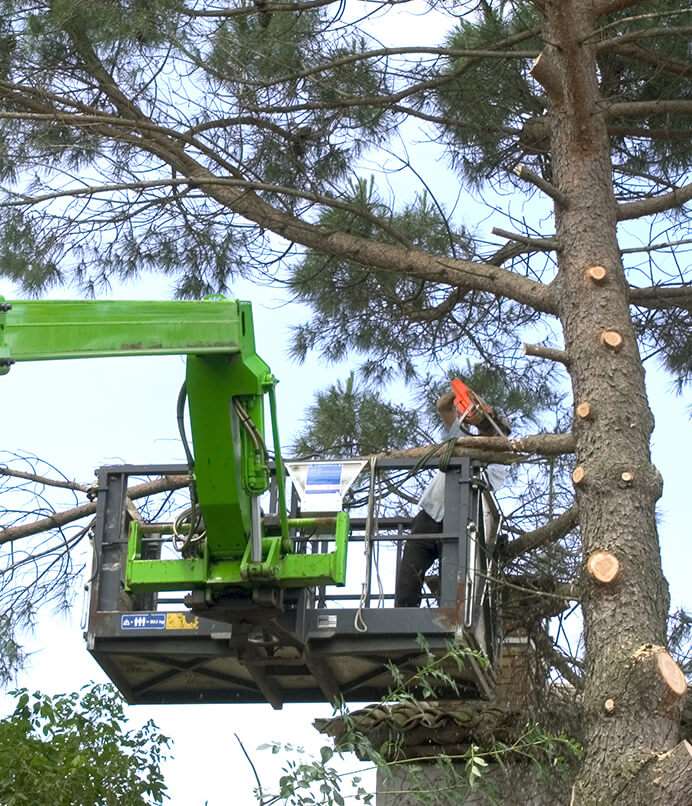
x: 323, y: 478
x: 143, y: 621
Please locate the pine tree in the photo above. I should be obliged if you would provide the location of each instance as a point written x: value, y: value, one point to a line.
x: 213, y: 140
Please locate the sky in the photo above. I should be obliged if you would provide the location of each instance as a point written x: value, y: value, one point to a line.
x: 80, y: 415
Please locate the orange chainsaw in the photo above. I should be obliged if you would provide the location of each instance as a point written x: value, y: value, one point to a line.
x: 473, y: 409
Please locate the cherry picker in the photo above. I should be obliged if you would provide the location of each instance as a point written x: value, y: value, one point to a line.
x: 255, y: 604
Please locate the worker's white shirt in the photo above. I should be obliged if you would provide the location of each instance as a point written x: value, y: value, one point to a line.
x: 433, y: 498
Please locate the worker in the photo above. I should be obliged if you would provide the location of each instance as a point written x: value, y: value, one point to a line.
x: 419, y: 555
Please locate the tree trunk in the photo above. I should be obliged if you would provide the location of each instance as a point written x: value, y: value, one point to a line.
x: 625, y: 617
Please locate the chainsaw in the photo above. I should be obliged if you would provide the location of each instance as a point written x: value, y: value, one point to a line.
x: 472, y: 409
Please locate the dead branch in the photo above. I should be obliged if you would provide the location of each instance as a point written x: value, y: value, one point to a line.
x: 45, y: 480
x: 552, y: 531
x: 60, y: 519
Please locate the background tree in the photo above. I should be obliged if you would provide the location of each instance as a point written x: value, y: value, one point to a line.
x: 75, y: 748
x: 210, y: 141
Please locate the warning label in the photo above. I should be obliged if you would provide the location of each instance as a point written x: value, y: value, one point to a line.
x: 143, y: 621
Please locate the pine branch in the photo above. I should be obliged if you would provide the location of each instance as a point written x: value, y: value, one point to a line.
x: 644, y: 33
x: 660, y: 297
x: 60, y: 519
x: 656, y: 247
x: 653, y: 107
x: 649, y: 133
x: 640, y: 54
x: 235, y: 195
x: 553, y: 531
x: 270, y: 8
x: 379, y: 53
x: 656, y: 204
x: 90, y: 190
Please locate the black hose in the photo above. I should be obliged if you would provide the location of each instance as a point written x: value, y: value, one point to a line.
x: 180, y: 411
x: 195, y: 515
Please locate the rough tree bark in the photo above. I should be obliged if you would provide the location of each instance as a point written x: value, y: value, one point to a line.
x: 625, y: 620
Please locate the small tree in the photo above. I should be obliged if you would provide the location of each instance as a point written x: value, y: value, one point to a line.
x: 75, y: 748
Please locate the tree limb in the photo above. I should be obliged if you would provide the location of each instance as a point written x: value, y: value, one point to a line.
x: 653, y: 107
x: 238, y: 195
x: 557, y: 659
x: 643, y: 33
x: 662, y: 297
x: 270, y: 8
x: 550, y: 353
x: 550, y: 190
x: 539, y: 244
x: 656, y: 204
x: 552, y: 531
x: 500, y: 450
x: 77, y: 513
x: 48, y: 482
x: 673, y: 66
x: 656, y: 247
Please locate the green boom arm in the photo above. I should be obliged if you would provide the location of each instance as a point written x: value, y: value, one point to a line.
x: 226, y: 382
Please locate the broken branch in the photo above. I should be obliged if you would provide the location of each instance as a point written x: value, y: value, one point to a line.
x: 551, y: 353
x: 550, y: 190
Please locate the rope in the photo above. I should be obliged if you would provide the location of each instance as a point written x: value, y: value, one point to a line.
x: 358, y: 621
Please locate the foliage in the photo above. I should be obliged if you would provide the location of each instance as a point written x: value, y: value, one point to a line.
x: 306, y: 781
x: 75, y: 748
x: 347, y: 420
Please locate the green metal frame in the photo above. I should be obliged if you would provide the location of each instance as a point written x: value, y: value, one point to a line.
x: 279, y: 567
x: 223, y: 370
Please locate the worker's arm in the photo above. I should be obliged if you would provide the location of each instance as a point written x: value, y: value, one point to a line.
x: 446, y: 409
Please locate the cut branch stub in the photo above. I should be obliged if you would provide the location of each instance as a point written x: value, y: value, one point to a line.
x: 609, y: 705
x: 548, y: 76
x: 603, y: 566
x: 584, y: 410
x: 578, y: 475
x: 612, y: 339
x: 672, y: 676
x: 597, y: 274
x: 627, y: 477
x: 662, y: 677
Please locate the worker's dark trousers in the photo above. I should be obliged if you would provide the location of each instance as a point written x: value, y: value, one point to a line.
x: 417, y: 557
